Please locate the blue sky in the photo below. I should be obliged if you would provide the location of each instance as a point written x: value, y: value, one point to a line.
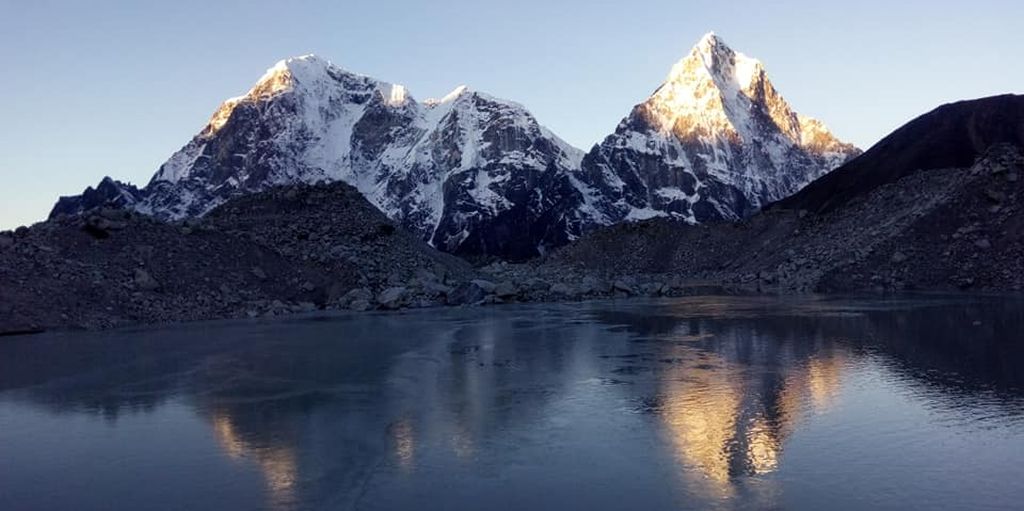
x: 113, y: 88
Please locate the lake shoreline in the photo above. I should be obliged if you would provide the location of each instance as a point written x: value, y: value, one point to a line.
x: 690, y: 291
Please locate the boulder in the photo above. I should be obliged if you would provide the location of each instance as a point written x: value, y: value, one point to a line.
x: 562, y: 289
x: 486, y: 285
x: 360, y: 305
x: 627, y: 286
x: 594, y: 285
x: 651, y: 288
x: 537, y: 284
x: 435, y: 289
x: 144, y: 281
x: 354, y: 295
x: 468, y: 293
x: 506, y: 290
x: 393, y: 297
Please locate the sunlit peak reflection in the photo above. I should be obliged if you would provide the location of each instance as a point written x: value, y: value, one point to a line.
x: 224, y: 431
x: 763, y: 448
x: 403, y: 437
x: 728, y: 425
x: 277, y: 464
x: 824, y: 375
x: 700, y: 412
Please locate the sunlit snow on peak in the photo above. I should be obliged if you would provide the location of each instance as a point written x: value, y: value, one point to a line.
x: 398, y: 95
x: 448, y: 98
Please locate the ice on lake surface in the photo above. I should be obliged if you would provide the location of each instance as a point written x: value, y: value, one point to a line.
x: 695, y: 403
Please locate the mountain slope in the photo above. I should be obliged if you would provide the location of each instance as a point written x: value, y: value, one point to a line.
x: 714, y: 142
x: 285, y: 249
x: 951, y: 136
x: 958, y: 225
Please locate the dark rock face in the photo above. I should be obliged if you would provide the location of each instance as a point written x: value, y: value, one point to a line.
x: 532, y: 223
x: 500, y: 194
x: 951, y: 136
x: 108, y: 193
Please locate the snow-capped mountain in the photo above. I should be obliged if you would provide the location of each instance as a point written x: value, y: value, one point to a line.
x: 714, y: 142
x: 474, y: 174
x: 469, y: 172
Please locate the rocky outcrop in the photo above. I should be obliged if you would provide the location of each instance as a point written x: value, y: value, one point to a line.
x: 109, y: 193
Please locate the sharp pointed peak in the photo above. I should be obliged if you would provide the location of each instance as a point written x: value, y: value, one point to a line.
x: 712, y: 57
x: 711, y: 44
x: 710, y: 39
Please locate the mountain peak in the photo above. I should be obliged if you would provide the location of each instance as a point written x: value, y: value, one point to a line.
x: 286, y: 73
x: 712, y: 58
x: 710, y: 41
x: 715, y: 141
x: 715, y: 90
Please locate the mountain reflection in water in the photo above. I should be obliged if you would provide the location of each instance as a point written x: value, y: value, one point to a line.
x: 701, y: 402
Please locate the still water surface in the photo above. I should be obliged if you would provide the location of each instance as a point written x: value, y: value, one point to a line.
x: 696, y: 403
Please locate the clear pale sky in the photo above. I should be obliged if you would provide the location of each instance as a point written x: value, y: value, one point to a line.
x: 94, y: 88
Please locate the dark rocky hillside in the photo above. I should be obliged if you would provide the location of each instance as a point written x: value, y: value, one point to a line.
x: 951, y: 136
x: 285, y: 250
x: 333, y: 228
x: 112, y: 268
x: 288, y: 249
